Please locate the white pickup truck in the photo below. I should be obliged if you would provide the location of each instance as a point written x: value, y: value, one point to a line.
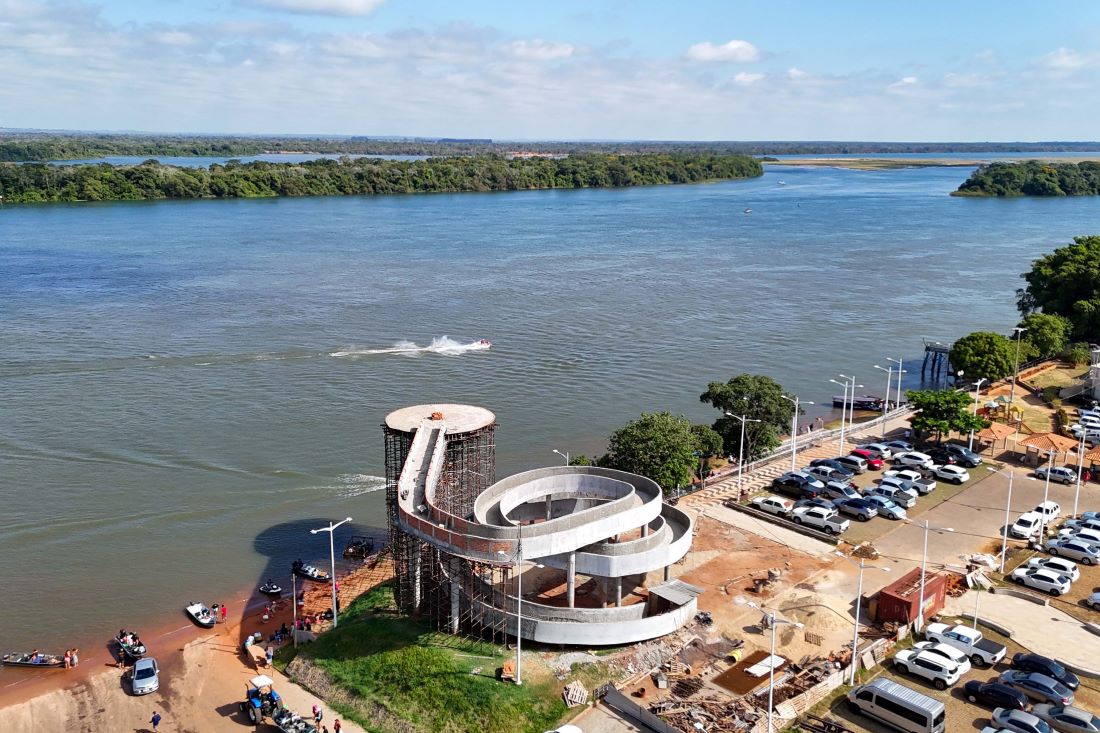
x: 982, y: 652
x: 827, y: 520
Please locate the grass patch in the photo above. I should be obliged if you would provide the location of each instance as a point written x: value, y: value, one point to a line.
x: 431, y: 681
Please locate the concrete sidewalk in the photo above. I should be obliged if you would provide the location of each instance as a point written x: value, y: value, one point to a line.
x: 1042, y: 629
x: 782, y: 535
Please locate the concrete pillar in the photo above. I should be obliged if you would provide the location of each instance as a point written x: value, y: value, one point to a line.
x: 549, y: 507
x: 455, y: 609
x: 571, y: 578
x: 618, y: 592
x: 645, y: 530
x: 414, y: 574
x: 668, y: 568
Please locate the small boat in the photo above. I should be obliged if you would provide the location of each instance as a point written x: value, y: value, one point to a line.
x: 748, y: 211
x: 201, y: 615
x: 858, y: 402
x: 31, y: 659
x: 359, y: 546
x: 309, y: 572
x: 130, y: 644
x: 485, y: 344
x: 271, y: 588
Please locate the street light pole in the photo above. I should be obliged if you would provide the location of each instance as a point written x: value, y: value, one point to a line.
x: 886, y: 400
x: 294, y: 605
x: 923, y: 570
x: 900, y: 363
x: 859, y: 603
x: 1046, y: 495
x: 741, y: 448
x: 519, y: 603
x: 1015, y: 369
x: 563, y: 455
x: 1008, y: 510
x: 332, y: 557
x: 977, y: 392
x: 843, y: 409
x: 1080, y: 458
x: 794, y: 425
x: 773, y: 622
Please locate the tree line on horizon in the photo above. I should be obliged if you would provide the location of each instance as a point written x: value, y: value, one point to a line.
x: 1033, y: 178
x: 38, y: 182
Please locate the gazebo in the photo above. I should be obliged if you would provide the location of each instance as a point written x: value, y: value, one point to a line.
x: 1049, y: 443
x: 996, y: 431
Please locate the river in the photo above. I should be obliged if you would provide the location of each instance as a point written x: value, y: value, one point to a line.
x: 188, y: 389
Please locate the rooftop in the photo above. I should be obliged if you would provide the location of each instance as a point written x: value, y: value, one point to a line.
x: 459, y: 418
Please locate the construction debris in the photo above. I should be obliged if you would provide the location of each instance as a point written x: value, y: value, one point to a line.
x: 575, y: 694
x: 687, y: 687
x: 708, y: 714
x: 823, y: 725
x: 865, y: 550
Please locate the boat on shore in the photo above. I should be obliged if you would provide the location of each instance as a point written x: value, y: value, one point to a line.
x: 201, y: 615
x: 859, y: 402
x: 271, y: 588
x: 31, y: 659
x: 132, y: 647
x: 310, y: 572
x: 359, y: 547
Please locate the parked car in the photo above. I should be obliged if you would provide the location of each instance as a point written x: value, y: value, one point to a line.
x: 873, y: 460
x: 798, y: 485
x: 981, y: 651
x: 899, y: 483
x: 1038, y: 686
x: 1026, y: 526
x: 145, y: 676
x: 893, y: 493
x: 773, y: 505
x: 942, y: 456
x: 861, y: 509
x: 855, y: 464
x: 1066, y: 719
x: 899, y: 446
x: 1078, y: 524
x: 994, y: 694
x: 885, y: 507
x: 1058, y: 565
x: 880, y: 450
x: 827, y: 520
x: 834, y: 464
x: 963, y: 455
x: 940, y: 671
x: 1058, y: 473
x: 1088, y: 536
x: 1047, y: 666
x: 1073, y: 549
x: 951, y: 474
x: 840, y: 491
x: 1049, y: 509
x: 818, y: 501
x: 1093, y: 601
x: 1018, y: 721
x: 946, y: 650
x: 828, y: 473
x: 1089, y: 515
x: 922, y: 484
x: 913, y: 459
x: 1047, y: 581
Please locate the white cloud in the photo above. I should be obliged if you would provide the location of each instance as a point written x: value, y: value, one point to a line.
x: 1066, y: 59
x: 354, y: 46
x: 796, y: 73
x: 319, y: 7
x: 174, y: 38
x: 539, y: 50
x: 747, y: 79
x: 735, y: 50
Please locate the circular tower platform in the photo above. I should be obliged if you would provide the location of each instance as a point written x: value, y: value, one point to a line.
x: 459, y: 418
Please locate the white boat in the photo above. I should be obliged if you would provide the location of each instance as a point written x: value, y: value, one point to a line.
x: 201, y: 615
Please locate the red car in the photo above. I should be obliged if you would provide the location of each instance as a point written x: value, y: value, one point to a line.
x: 873, y: 461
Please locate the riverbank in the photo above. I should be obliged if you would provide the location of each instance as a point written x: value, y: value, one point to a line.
x: 203, y: 674
x: 875, y: 164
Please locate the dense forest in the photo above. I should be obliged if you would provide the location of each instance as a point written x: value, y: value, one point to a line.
x: 45, y: 146
x: 1033, y: 178
x: 38, y: 182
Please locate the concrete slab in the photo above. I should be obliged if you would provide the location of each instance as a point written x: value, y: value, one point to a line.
x: 781, y: 535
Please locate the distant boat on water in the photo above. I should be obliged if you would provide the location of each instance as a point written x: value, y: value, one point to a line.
x: 858, y: 402
x: 748, y: 211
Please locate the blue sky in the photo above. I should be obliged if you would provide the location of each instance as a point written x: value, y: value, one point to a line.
x: 784, y: 69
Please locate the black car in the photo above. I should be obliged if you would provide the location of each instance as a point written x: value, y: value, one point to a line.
x: 792, y: 484
x: 1047, y: 666
x: 942, y: 456
x: 846, y: 473
x: 994, y: 695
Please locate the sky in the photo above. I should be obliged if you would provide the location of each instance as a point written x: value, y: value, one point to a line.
x: 565, y: 70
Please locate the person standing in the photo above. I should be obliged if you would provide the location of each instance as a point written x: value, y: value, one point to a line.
x: 317, y: 715
x: 74, y: 658
x: 68, y: 658
x: 336, y: 726
x: 155, y: 720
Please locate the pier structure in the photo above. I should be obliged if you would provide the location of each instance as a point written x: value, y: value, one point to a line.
x: 582, y: 541
x: 936, y: 359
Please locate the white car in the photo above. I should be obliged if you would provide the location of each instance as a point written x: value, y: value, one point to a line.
x: 923, y: 485
x: 1088, y: 536
x: 1069, y: 547
x: 1050, y: 510
x: 1042, y: 579
x: 1058, y: 473
x: 946, y: 650
x: 940, y: 671
x: 981, y: 650
x: 899, y: 446
x: 884, y: 451
x: 1026, y: 526
x: 907, y: 487
x: 1059, y: 565
x: 773, y: 505
x: 914, y: 459
x: 952, y: 474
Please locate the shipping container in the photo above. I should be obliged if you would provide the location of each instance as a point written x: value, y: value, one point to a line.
x: 900, y: 600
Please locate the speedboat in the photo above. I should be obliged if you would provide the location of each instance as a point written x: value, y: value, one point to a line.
x: 485, y: 343
x: 748, y: 211
x: 130, y: 644
x: 271, y: 588
x: 309, y: 572
x: 31, y: 659
x: 201, y: 615
x: 858, y: 402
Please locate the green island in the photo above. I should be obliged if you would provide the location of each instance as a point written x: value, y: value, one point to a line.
x: 1033, y: 178
x: 39, y: 182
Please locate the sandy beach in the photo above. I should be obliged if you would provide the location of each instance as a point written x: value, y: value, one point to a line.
x: 203, y: 676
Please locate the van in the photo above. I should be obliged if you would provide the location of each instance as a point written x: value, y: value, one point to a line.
x: 853, y: 463
x: 898, y: 706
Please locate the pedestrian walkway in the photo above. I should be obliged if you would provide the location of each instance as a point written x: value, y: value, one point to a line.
x: 763, y: 528
x: 1042, y: 629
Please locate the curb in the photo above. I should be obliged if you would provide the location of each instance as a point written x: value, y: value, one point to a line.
x: 1005, y: 631
x: 1030, y: 597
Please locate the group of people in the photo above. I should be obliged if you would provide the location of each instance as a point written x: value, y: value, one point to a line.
x: 129, y: 638
x: 318, y: 714
x: 71, y: 658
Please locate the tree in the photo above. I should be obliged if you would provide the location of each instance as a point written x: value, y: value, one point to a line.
x: 1066, y: 283
x: 757, y: 397
x: 659, y: 445
x: 707, y: 441
x: 943, y: 411
x: 1046, y: 335
x: 983, y: 354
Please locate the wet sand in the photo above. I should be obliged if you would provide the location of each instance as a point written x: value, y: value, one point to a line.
x: 203, y: 675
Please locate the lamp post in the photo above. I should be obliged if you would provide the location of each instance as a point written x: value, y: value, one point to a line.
x: 977, y: 392
x: 741, y: 448
x: 843, y: 409
x: 886, y: 400
x: 563, y: 455
x: 332, y: 558
x: 1015, y: 369
x: 519, y: 609
x: 1046, y: 495
x: 923, y: 566
x: 1080, y: 457
x: 294, y: 605
x: 773, y: 622
x: 859, y: 602
x: 1008, y: 509
x: 852, y: 405
x: 794, y: 425
x: 901, y: 370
